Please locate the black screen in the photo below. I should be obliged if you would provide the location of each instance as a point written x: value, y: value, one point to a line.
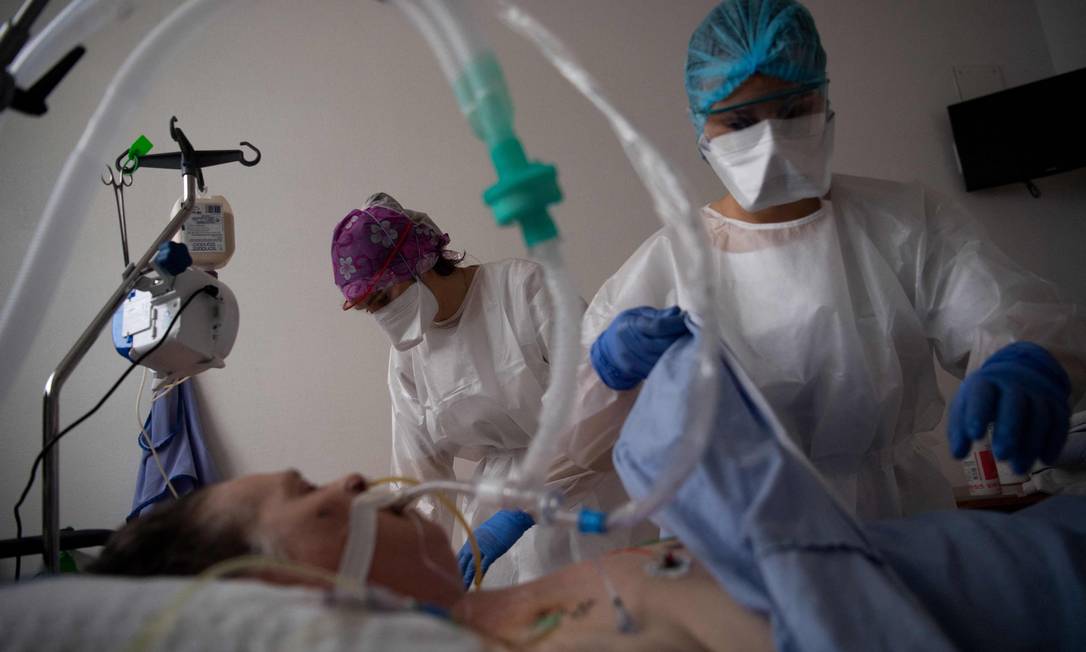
x: 1022, y: 133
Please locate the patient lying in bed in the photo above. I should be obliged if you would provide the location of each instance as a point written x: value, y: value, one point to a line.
x: 284, y: 515
x: 768, y: 558
x: 670, y: 598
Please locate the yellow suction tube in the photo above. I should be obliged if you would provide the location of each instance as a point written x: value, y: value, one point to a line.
x: 451, y: 506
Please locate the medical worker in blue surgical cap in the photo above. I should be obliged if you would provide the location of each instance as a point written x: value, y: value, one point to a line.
x: 837, y: 292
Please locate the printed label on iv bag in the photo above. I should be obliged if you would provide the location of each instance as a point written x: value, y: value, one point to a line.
x: 204, y: 231
x: 208, y: 232
x: 980, y: 468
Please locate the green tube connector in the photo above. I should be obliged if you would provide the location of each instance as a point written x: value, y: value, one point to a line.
x: 525, y: 188
x: 523, y: 192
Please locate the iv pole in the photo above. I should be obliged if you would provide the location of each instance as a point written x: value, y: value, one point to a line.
x: 190, y: 162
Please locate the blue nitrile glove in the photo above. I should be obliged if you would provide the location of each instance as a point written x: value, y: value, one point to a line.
x: 624, y: 354
x: 1026, y: 393
x: 495, y: 537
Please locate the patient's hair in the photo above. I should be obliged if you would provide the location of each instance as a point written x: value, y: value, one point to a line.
x: 180, y: 537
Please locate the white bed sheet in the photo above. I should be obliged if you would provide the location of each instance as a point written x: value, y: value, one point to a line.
x: 101, y: 613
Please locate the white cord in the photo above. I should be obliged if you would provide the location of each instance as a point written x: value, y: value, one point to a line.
x: 162, y: 391
x: 146, y: 437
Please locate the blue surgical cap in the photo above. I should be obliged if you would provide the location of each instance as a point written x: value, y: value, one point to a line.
x: 739, y: 38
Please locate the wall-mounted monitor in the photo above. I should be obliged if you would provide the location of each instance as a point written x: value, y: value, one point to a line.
x: 1021, y: 133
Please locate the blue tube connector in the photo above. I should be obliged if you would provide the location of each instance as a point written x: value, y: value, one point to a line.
x: 589, y: 521
x: 172, y: 258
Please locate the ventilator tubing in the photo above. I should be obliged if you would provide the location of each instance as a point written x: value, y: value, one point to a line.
x: 53, y: 240
x: 671, y: 203
x: 554, y: 419
x: 521, y: 195
x: 525, y: 188
x: 468, y: 63
x: 77, y: 22
x: 468, y: 66
x: 472, y: 70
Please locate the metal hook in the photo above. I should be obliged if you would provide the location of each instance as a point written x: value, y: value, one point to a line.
x: 253, y: 147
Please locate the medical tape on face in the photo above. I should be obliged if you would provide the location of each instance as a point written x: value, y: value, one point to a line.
x: 354, y: 563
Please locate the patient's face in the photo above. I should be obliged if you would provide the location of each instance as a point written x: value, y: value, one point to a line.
x: 309, y: 524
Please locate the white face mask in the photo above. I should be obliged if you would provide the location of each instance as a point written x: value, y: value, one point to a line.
x: 774, y: 162
x: 407, y: 317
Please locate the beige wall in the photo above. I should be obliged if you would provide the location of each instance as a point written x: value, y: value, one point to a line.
x: 1062, y: 21
x: 345, y: 99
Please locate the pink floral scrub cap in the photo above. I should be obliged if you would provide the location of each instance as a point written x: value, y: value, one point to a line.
x: 382, y: 244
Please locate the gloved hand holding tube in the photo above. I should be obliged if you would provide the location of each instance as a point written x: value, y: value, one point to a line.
x: 495, y: 537
x: 624, y: 354
x: 1025, y: 393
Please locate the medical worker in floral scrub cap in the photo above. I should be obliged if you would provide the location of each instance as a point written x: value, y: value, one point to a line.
x: 467, y: 371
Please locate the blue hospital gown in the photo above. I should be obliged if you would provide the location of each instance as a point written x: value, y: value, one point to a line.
x: 770, y: 532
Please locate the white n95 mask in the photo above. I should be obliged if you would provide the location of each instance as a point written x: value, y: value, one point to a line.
x: 406, y: 318
x: 773, y: 162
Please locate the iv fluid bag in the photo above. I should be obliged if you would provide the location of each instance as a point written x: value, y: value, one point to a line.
x: 208, y: 232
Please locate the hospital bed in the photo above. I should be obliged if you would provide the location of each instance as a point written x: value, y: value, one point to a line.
x: 103, y: 613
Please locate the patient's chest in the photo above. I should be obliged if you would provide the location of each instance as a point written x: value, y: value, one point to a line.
x: 572, y: 609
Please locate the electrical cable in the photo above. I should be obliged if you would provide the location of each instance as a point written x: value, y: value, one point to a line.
x: 208, y: 289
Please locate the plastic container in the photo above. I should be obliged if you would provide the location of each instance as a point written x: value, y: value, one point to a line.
x: 208, y: 233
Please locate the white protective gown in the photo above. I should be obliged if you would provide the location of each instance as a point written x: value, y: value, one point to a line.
x: 473, y: 389
x: 836, y: 316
